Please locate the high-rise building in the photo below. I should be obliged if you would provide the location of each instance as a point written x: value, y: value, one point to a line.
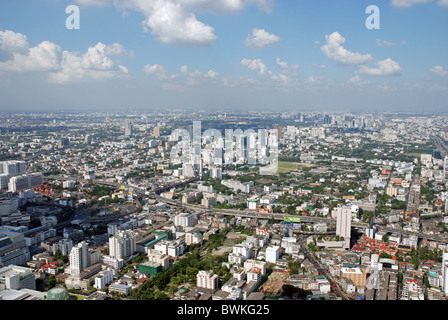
x: 207, y: 280
x: 343, y: 217
x: 437, y: 154
x: 26, y: 181
x: 445, y: 168
x: 156, y: 131
x: 413, y: 198
x: 128, y: 130
x: 63, y: 143
x: 63, y: 245
x: 184, y: 220
x: 12, y: 168
x: 88, y: 139
x: 445, y: 273
x: 272, y: 254
x: 122, y: 244
x: 104, y: 278
x: 3, y: 181
x: 79, y: 259
x: 279, y: 131
x: 327, y: 119
x: 216, y: 173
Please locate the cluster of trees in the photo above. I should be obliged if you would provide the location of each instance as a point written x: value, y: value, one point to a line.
x: 100, y: 191
x: 59, y: 256
x: 294, y: 267
x: 241, y: 206
x: 183, y: 272
x: 426, y: 253
x: 398, y: 205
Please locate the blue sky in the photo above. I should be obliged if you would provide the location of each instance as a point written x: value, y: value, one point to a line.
x: 224, y: 54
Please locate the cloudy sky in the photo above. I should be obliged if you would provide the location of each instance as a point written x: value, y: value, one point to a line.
x: 224, y: 54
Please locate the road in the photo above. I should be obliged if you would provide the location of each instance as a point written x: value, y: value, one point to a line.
x: 255, y: 214
x: 322, y: 270
x: 441, y: 145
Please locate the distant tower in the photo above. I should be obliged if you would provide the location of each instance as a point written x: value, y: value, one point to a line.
x: 445, y: 168
x: 344, y: 224
x: 88, y: 139
x: 128, y: 129
x: 279, y: 131
x: 156, y: 131
x: 63, y: 143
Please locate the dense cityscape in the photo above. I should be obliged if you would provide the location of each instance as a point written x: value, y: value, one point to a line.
x: 99, y: 206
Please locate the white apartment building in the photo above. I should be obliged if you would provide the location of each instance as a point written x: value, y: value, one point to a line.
x: 159, y: 258
x: 122, y: 244
x: 13, y: 168
x: 236, y: 258
x: 193, y: 238
x: 243, y: 249
x: 254, y: 274
x: 78, y: 258
x: 103, y: 279
x: 207, y: 280
x: 64, y: 245
x: 251, y: 263
x: 16, y: 278
x: 184, y: 220
x: 272, y: 254
x: 112, y: 262
x: 172, y: 248
x: 343, y: 217
x: 25, y: 181
x: 445, y: 273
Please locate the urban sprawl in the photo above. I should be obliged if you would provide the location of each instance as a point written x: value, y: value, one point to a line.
x: 94, y: 206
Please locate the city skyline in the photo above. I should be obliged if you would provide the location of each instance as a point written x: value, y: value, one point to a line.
x: 229, y: 54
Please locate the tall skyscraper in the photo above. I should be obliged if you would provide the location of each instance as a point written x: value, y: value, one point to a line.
x: 343, y: 223
x: 437, y: 154
x: 128, y: 131
x: 279, y: 131
x: 156, y: 131
x: 63, y: 143
x: 445, y: 168
x: 78, y: 258
x: 445, y: 273
x: 122, y: 244
x: 87, y: 139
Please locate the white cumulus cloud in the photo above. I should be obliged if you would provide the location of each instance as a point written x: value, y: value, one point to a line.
x: 17, y: 56
x: 95, y: 64
x: 385, y: 68
x: 439, y: 70
x: 11, y: 42
x: 255, y: 65
x: 334, y: 51
x: 157, y: 70
x: 260, y: 38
